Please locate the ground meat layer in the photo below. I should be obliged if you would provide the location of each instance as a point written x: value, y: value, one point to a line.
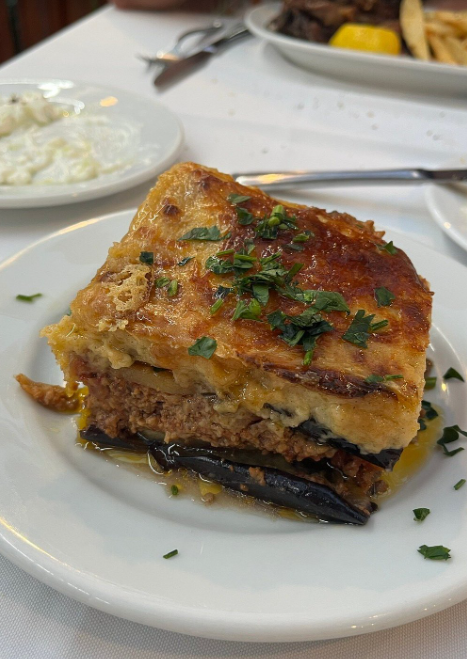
x: 119, y: 407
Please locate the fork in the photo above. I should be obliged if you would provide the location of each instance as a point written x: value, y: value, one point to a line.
x: 174, y: 54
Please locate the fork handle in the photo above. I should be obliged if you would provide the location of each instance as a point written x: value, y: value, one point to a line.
x: 375, y: 177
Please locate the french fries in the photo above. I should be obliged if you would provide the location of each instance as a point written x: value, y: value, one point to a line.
x: 440, y: 36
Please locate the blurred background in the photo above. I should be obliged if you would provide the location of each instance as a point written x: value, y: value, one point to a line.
x: 24, y: 23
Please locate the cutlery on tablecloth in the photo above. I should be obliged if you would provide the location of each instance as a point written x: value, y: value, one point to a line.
x: 369, y: 177
x: 177, y: 69
x: 177, y: 52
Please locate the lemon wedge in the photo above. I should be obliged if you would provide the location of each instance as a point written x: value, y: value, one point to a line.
x: 367, y: 37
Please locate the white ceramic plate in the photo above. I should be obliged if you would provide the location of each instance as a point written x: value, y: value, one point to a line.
x: 98, y: 532
x: 448, y: 205
x: 402, y: 73
x: 149, y: 139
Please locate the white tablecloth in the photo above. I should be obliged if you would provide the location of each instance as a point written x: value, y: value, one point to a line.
x: 248, y: 109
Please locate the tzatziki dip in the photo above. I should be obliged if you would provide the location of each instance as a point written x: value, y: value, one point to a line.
x: 45, y: 143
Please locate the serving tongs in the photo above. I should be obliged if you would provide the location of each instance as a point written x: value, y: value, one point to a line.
x: 369, y: 177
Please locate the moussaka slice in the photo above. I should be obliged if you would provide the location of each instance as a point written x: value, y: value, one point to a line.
x: 275, y: 348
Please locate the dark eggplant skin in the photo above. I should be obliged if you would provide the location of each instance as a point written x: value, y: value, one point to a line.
x: 283, y: 488
x: 386, y: 459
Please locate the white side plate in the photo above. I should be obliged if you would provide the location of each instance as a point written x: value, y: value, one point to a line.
x: 98, y: 532
x: 153, y: 138
x: 402, y: 73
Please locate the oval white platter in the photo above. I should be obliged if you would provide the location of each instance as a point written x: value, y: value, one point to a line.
x: 147, y: 138
x: 97, y: 532
x: 403, y: 73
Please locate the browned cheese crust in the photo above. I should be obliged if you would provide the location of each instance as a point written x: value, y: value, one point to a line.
x: 121, y: 317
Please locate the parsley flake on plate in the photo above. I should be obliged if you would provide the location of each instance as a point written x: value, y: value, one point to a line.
x: 174, y: 552
x: 29, y: 298
x: 421, y: 513
x: 430, y: 382
x: 451, y: 434
x: 452, y: 374
x: 459, y: 484
x: 436, y: 553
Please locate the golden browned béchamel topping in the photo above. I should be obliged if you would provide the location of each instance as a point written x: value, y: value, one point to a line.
x: 123, y: 319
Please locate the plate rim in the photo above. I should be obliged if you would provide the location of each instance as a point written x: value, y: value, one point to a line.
x: 433, y: 207
x: 67, y: 197
x: 212, y: 625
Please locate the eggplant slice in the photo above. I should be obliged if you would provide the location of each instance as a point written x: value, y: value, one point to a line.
x: 386, y: 459
x: 268, y: 478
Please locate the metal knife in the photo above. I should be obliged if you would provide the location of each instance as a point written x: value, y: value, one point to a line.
x: 369, y: 177
x: 185, y: 65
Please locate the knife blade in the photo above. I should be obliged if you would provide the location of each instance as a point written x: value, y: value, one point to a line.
x: 176, y: 70
x: 369, y: 177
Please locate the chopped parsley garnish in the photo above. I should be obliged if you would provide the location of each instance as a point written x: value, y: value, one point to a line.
x: 459, y: 484
x: 203, y: 347
x: 421, y: 514
x: 174, y: 490
x: 292, y: 247
x: 361, y: 327
x: 269, y: 227
x: 172, y: 288
x: 379, y: 325
x: 451, y: 434
x: 162, y: 281
x: 436, y: 553
x: 219, y: 266
x: 221, y: 293
x: 30, y: 298
x: 202, y: 233
x: 216, y: 306
x: 389, y: 247
x: 237, y: 199
x: 251, y: 311
x: 384, y: 297
x: 382, y: 378
x: 244, y: 217
x: 147, y: 258
x: 174, y: 552
x: 451, y: 374
x: 185, y: 260
x: 430, y: 382
x: 303, y: 237
x: 260, y: 293
x: 303, y: 329
x: 327, y: 301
